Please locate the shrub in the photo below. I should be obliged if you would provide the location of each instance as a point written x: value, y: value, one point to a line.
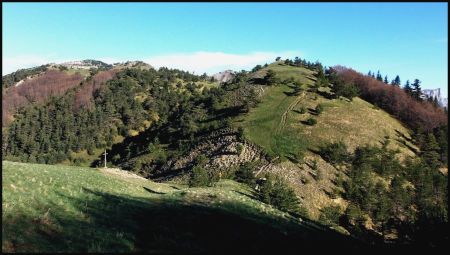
x: 239, y: 149
x: 199, y: 177
x: 240, y: 132
x: 275, y: 191
x: 245, y: 174
x: 319, y: 109
x: 335, y: 153
x: 302, y: 110
x: 349, y: 91
x: 311, y: 121
x: 201, y: 160
x: 354, y: 215
x: 271, y: 77
x: 90, y: 150
x: 298, y: 88
x: 79, y: 161
x: 314, y: 165
x: 330, y: 215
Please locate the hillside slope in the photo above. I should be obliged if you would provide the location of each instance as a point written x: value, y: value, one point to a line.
x: 278, y: 125
x: 277, y: 119
x: 74, y: 209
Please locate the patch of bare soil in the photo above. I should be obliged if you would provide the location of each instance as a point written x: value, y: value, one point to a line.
x: 122, y: 173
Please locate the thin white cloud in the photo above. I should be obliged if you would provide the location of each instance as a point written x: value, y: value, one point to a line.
x: 198, y: 62
x: 11, y: 64
x: 212, y: 62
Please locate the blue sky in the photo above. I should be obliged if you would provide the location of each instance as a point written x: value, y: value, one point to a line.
x: 409, y: 39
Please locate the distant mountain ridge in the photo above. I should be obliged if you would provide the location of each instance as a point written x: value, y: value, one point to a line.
x: 85, y: 64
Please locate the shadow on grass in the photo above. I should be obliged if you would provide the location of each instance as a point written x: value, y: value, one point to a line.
x: 154, y: 192
x: 111, y: 223
x: 313, y: 111
x: 304, y: 122
x: 247, y: 195
x: 326, y: 95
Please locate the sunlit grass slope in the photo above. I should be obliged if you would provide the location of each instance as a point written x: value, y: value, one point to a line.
x: 278, y: 125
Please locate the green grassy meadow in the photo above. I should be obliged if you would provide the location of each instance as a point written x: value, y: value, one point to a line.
x: 54, y: 208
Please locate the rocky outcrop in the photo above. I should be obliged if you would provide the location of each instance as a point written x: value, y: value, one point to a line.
x: 223, y: 148
x: 224, y: 76
x: 84, y: 64
x: 133, y: 64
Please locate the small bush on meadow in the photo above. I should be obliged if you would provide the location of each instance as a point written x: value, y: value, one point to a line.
x: 319, y: 109
x: 302, y: 110
x: 335, y: 152
x: 311, y: 121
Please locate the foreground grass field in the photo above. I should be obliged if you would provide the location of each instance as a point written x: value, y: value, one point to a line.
x: 76, y: 209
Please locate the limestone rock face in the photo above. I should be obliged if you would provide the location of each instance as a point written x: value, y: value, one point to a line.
x: 84, y: 64
x: 223, y: 149
x: 224, y: 76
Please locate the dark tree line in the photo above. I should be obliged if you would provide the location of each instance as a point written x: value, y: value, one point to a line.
x: 414, y: 89
x: 304, y: 63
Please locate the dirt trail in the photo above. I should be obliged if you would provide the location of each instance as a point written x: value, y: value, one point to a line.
x: 284, y: 115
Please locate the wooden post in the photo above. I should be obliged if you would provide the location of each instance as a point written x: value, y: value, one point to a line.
x: 105, y: 158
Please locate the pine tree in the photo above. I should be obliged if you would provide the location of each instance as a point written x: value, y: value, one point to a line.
x: 430, y: 151
x: 379, y: 77
x: 407, y: 88
x: 386, y: 79
x: 369, y: 74
x: 396, y: 81
x: 416, y: 90
x: 270, y: 77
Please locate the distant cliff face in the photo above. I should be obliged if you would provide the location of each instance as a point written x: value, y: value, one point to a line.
x: 224, y: 76
x: 432, y: 93
x: 435, y: 93
x: 444, y: 102
x: 85, y: 64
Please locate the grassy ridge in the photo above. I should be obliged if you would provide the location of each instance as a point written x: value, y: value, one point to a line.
x: 74, y: 209
x: 355, y: 123
x: 264, y: 124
